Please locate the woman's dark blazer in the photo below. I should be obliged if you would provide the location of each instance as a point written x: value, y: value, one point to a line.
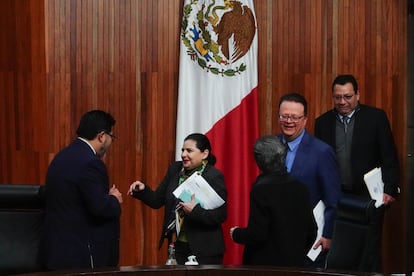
x: 281, y: 227
x: 203, y: 227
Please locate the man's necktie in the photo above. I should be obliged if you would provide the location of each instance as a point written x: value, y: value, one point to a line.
x: 345, y: 121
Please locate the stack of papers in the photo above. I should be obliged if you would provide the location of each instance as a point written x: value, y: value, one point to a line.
x: 204, y: 194
x: 375, y: 185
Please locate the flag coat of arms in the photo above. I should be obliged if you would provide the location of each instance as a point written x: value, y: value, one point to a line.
x: 218, y: 96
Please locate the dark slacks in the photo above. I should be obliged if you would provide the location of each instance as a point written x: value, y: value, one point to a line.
x: 182, y: 251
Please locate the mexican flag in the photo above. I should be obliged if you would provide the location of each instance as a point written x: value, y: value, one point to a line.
x: 218, y: 97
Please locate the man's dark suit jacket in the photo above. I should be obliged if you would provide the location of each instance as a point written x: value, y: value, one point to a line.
x: 82, y: 220
x: 372, y: 146
x: 281, y: 227
x: 202, y: 227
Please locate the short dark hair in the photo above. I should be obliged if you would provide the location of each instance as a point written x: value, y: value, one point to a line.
x: 93, y: 122
x: 270, y: 154
x: 297, y: 98
x: 202, y: 143
x: 344, y: 79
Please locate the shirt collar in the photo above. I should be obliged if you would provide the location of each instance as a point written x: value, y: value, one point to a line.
x: 294, y: 144
x: 340, y: 117
x: 349, y: 115
x: 86, y: 141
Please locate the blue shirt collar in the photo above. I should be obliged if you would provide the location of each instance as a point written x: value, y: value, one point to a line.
x: 294, y: 144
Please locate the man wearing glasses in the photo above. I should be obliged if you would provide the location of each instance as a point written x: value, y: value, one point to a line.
x: 362, y: 138
x: 313, y: 163
x: 81, y: 228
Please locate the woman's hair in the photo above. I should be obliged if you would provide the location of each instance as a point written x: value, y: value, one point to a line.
x: 94, y: 122
x: 270, y: 154
x: 202, y: 143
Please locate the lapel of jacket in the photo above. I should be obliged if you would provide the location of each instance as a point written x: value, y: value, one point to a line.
x: 332, y: 126
x: 360, y: 125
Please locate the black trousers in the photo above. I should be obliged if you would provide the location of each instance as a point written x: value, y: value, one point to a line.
x: 182, y: 251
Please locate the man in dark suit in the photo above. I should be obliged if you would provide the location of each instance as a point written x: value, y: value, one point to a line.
x: 281, y: 227
x: 313, y: 163
x: 81, y: 228
x: 362, y: 138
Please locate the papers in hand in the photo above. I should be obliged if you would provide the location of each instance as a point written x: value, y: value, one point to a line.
x: 375, y: 185
x: 318, y: 213
x: 204, y: 194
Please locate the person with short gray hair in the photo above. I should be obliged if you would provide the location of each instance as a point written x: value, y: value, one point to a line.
x: 281, y: 227
x: 270, y: 154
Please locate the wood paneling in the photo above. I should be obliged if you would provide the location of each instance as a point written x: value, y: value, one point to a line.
x: 59, y: 59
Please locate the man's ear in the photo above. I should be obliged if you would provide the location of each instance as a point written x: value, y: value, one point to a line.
x: 100, y: 136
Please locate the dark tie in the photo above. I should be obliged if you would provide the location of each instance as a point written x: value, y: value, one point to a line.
x: 286, y: 146
x: 345, y: 121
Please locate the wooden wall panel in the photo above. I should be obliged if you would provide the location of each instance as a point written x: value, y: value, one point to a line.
x: 59, y: 59
x: 24, y: 143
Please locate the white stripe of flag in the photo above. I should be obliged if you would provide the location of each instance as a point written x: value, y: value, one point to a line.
x: 218, y: 96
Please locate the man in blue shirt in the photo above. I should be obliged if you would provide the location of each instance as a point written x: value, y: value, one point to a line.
x: 313, y: 163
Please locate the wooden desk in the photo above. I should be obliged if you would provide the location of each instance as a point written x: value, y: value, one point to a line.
x: 203, y: 270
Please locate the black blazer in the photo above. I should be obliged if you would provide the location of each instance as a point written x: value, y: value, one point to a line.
x: 202, y: 227
x: 281, y: 227
x: 372, y: 146
x: 82, y: 220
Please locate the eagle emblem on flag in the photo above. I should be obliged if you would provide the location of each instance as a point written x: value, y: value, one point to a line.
x: 217, y: 34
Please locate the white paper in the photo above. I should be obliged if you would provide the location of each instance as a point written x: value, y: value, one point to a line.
x: 318, y: 213
x: 204, y: 194
x: 375, y: 185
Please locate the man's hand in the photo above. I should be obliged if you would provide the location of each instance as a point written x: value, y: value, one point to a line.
x: 387, y: 199
x: 324, y: 242
x: 115, y: 192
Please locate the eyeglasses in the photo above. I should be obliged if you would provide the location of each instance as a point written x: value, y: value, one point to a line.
x: 345, y: 97
x: 110, y: 134
x: 293, y: 118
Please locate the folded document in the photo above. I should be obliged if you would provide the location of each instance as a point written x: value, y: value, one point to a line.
x: 198, y: 186
x: 375, y: 185
x: 318, y: 213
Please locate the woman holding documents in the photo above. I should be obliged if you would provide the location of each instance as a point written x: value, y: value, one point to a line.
x: 281, y: 227
x: 192, y: 220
